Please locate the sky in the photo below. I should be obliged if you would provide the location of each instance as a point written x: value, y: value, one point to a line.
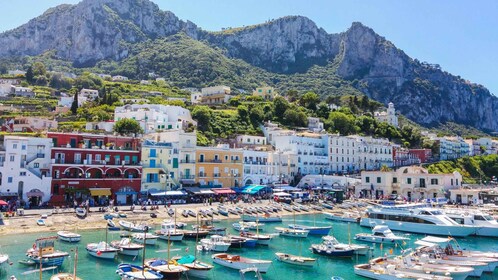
x: 459, y: 35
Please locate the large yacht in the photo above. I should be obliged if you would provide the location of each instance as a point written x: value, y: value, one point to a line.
x: 417, y: 219
x: 487, y: 225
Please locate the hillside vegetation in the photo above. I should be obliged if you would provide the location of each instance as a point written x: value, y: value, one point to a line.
x: 475, y: 170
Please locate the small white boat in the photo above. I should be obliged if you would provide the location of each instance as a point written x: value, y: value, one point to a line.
x: 145, y: 238
x: 295, y: 260
x: 40, y: 222
x: 380, y: 234
x: 169, y: 232
x: 290, y: 232
x: 126, y: 247
x: 129, y: 226
x: 64, y: 276
x: 215, y: 243
x: 195, y: 268
x: 405, y: 263
x: 238, y: 262
x: 390, y: 272
x: 135, y: 272
x: 101, y: 250
x: 349, y: 217
x: 4, y: 259
x: 358, y: 249
x: 261, y: 239
x: 167, y: 269
x: 314, y: 230
x: 244, y: 226
x: 81, y: 212
x: 68, y: 236
x: 265, y: 218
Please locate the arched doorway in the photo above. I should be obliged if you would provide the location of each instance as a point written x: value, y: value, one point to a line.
x: 249, y: 182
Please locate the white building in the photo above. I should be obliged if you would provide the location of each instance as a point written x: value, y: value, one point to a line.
x: 67, y: 101
x: 343, y: 154
x: 257, y: 168
x: 283, y: 166
x: 373, y: 153
x: 389, y: 116
x: 215, y: 95
x: 153, y: 117
x: 90, y: 94
x: 314, y: 124
x: 107, y: 126
x: 25, y: 168
x: 328, y: 182
x: 413, y: 183
x: 249, y: 140
x: 30, y: 124
x: 134, y: 100
x: 195, y: 97
x: 22, y: 91
x: 119, y: 78
x: 16, y: 72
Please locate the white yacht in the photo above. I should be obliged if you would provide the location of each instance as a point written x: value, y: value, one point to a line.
x: 487, y: 225
x: 412, y: 218
x: 215, y: 243
x: 380, y: 234
x: 169, y: 232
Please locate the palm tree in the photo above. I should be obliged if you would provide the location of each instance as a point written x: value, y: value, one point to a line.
x: 385, y: 168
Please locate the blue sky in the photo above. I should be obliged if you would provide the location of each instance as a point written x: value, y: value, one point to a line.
x: 461, y: 36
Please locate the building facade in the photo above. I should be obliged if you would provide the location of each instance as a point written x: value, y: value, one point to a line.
x: 215, y: 95
x: 267, y: 93
x: 219, y: 166
x: 257, y: 168
x: 389, y: 116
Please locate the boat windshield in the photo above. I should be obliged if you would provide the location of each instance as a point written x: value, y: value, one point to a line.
x: 436, y: 212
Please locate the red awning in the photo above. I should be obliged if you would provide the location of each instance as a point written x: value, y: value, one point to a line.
x: 223, y: 191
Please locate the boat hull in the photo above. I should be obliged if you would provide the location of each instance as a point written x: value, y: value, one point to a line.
x: 135, y: 272
x: 130, y: 252
x: 172, y: 237
x: 339, y: 254
x: 102, y: 254
x: 49, y: 261
x: 261, y: 219
x: 426, y: 229
x: 312, y: 229
x: 295, y: 260
x: 262, y: 266
x: 69, y: 238
x: 148, y: 241
x: 375, y: 239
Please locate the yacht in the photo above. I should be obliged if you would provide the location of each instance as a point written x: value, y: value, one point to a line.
x: 417, y: 219
x: 487, y: 226
x: 380, y: 234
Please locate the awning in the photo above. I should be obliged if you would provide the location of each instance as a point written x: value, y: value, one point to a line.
x: 223, y: 191
x: 125, y: 193
x: 281, y: 194
x: 35, y: 193
x: 424, y: 243
x: 169, y: 193
x: 100, y: 191
x: 207, y: 192
x: 286, y: 189
x: 253, y: 189
x: 194, y: 190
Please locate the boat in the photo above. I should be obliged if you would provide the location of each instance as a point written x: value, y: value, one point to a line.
x: 130, y: 271
x: 238, y: 262
x: 191, y: 213
x: 332, y: 249
x: 40, y: 222
x: 4, y: 259
x: 266, y: 218
x: 261, y: 239
x: 185, y: 213
x: 348, y: 217
x: 122, y: 215
x: 327, y: 206
x: 314, y: 230
x: 292, y: 232
x: 244, y: 226
x: 287, y: 208
x: 207, y: 224
x: 68, y: 236
x: 405, y: 263
x: 168, y: 231
x: 27, y: 262
x: 166, y: 269
x: 417, y: 219
x: 239, y: 241
x: 295, y: 260
x: 145, y: 238
x: 80, y: 212
x: 195, y: 233
x: 223, y: 211
x: 233, y: 211
x: 389, y: 272
x: 126, y: 247
x: 195, y: 268
x: 380, y: 234
x: 102, y: 249
x: 215, y: 243
x: 129, y: 226
x: 358, y: 249
x: 112, y: 226
x: 110, y: 216
x: 68, y: 276
x: 243, y: 272
x: 43, y: 252
x: 214, y: 211
x: 487, y: 225
x: 171, y: 212
x: 425, y: 256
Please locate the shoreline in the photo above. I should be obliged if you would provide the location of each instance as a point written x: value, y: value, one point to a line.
x: 95, y: 220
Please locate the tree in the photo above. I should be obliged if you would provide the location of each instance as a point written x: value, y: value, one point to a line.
x: 203, y: 116
x: 309, y: 100
x: 343, y: 123
x: 3, y: 69
x: 127, y: 127
x: 243, y: 112
x: 323, y: 110
x: 292, y: 95
x: 256, y: 115
x: 30, y: 76
x: 74, y: 105
x: 280, y: 106
x: 294, y: 117
x: 39, y: 69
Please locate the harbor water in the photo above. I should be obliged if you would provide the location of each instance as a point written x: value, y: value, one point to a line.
x: 90, y: 268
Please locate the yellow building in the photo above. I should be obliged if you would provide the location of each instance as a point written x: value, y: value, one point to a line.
x: 158, y: 174
x: 219, y: 166
x: 267, y: 93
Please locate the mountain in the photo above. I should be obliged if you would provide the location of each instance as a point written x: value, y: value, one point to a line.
x: 133, y: 37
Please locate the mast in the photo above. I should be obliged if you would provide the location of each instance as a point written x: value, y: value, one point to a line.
x: 75, y: 263
x: 40, y: 257
x: 105, y: 245
x: 197, y: 234
x: 174, y: 226
x: 146, y: 228
x: 169, y: 235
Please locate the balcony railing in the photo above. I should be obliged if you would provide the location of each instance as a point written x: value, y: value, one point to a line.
x: 187, y: 161
x: 184, y: 177
x: 203, y: 175
x: 216, y: 175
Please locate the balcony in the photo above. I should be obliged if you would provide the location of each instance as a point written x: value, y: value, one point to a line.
x: 203, y: 175
x: 40, y: 155
x: 187, y: 177
x: 187, y: 161
x: 213, y: 160
x: 216, y: 175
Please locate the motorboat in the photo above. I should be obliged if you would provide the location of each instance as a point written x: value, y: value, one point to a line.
x: 244, y: 226
x: 327, y: 206
x: 287, y: 208
x: 233, y: 211
x: 145, y: 238
x: 380, y: 234
x: 166, y: 268
x: 112, y: 226
x: 417, y: 219
x: 43, y: 252
x: 313, y: 230
x: 136, y: 272
x: 405, y: 263
x: 295, y: 260
x: 215, y: 243
x: 4, y: 259
x: 261, y: 239
x: 185, y: 213
x: 223, y: 211
x: 169, y: 232
x: 214, y: 211
x: 358, y: 249
x: 126, y: 247
x: 292, y: 232
x: 241, y: 241
x: 389, y: 272
x: 81, y: 212
x: 171, y: 212
x: 101, y: 250
x: 191, y: 213
x: 68, y: 236
x: 195, y: 233
x: 332, y: 249
x: 265, y: 218
x: 196, y: 268
x: 238, y: 262
x: 487, y: 225
x: 129, y: 226
x: 207, y: 224
x: 40, y: 222
x: 425, y: 256
x: 348, y: 217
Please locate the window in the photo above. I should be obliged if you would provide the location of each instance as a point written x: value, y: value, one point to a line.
x: 14, y: 146
x: 23, y: 173
x: 434, y: 181
x: 12, y: 158
x: 36, y: 165
x: 23, y: 147
x: 367, y: 179
x: 9, y: 180
x: 409, y: 180
x: 395, y: 180
x: 378, y: 180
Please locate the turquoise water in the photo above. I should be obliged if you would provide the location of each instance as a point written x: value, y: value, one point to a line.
x: 90, y: 268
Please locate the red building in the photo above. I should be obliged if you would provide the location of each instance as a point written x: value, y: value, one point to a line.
x: 95, y: 167
x: 424, y: 155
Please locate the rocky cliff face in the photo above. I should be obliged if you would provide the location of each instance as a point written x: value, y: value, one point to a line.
x: 92, y: 30
x: 104, y: 29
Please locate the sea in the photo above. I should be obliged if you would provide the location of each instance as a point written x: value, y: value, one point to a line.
x: 91, y: 268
